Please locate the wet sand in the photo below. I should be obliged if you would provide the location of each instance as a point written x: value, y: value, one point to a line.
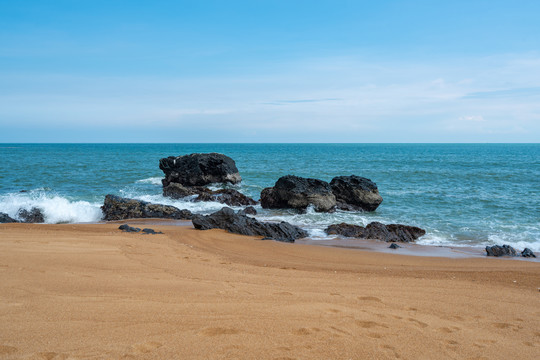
x: 91, y: 291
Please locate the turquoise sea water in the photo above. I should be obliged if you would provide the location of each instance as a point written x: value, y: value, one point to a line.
x: 462, y: 194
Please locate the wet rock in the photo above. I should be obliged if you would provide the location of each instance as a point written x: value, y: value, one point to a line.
x: 178, y: 191
x: 294, y: 192
x: 250, y: 210
x: 230, y: 197
x: 33, y: 216
x: 150, y: 231
x: 199, y: 169
x: 527, y: 253
x: 355, y: 193
x: 496, y: 250
x: 5, y: 218
x: 347, y: 230
x: 394, y: 246
x: 127, y: 228
x: 118, y: 208
x: 228, y: 220
x: 378, y: 231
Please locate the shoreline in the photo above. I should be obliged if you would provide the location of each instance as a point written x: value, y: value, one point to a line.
x: 370, y: 245
x: 93, y: 291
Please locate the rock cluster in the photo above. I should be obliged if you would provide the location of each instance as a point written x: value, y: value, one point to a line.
x: 343, y: 192
x: 127, y: 228
x: 378, y: 231
x: 507, y: 250
x: 34, y: 215
x: 236, y: 223
x: 189, y: 174
x: 118, y: 208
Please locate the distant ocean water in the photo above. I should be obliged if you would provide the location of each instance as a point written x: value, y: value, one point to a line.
x: 462, y: 194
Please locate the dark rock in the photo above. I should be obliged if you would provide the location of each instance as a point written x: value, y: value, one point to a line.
x: 527, y: 253
x: 228, y: 220
x: 295, y: 192
x: 199, y: 169
x: 178, y: 191
x: 150, y: 231
x: 394, y: 246
x: 5, y: 218
x: 118, y: 208
x: 496, y: 250
x: 347, y: 230
x: 250, y: 210
x: 127, y: 228
x: 378, y: 231
x: 33, y: 216
x: 355, y: 193
x: 230, y: 197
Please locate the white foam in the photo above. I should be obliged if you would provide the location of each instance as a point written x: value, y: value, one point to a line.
x: 56, y: 209
x: 150, y: 180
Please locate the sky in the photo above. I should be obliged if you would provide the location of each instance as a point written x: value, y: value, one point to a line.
x: 269, y: 71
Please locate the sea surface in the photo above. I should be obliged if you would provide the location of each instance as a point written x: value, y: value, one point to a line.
x: 462, y: 194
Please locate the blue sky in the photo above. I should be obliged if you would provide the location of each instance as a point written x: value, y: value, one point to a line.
x: 269, y: 71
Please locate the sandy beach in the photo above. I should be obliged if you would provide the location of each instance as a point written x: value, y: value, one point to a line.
x: 94, y: 292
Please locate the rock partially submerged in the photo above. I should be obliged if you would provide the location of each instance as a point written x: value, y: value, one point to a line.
x: 527, y: 253
x: 33, y: 216
x: 229, y: 197
x: 497, y: 250
x: 118, y: 208
x: 378, y: 231
x: 228, y: 220
x: 199, y: 169
x: 250, y: 210
x: 355, y: 193
x: 298, y: 193
x: 394, y: 246
x: 5, y: 218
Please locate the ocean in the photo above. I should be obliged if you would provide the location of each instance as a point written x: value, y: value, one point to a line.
x: 462, y: 194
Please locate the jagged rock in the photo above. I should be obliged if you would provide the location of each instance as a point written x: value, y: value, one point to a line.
x: 378, y: 231
x: 148, y: 231
x: 118, y: 208
x: 33, y: 216
x: 178, y: 191
x: 250, y: 210
x: 355, y: 193
x: 228, y: 220
x: 295, y: 192
x: 5, y: 218
x: 127, y: 228
x: 199, y: 169
x: 496, y: 250
x: 527, y: 253
x: 394, y: 246
x: 347, y: 230
x: 230, y: 197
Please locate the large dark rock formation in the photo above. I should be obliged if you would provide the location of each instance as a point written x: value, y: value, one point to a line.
x: 118, y: 208
x: 33, y: 216
x: 228, y: 220
x: 199, y: 169
x: 496, y: 250
x: 298, y: 193
x: 5, y: 218
x: 355, y: 193
x: 378, y: 231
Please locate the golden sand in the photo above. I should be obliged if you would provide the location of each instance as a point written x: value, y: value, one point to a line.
x: 93, y: 292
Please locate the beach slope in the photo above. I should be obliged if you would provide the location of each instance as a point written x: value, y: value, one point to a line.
x: 91, y: 291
